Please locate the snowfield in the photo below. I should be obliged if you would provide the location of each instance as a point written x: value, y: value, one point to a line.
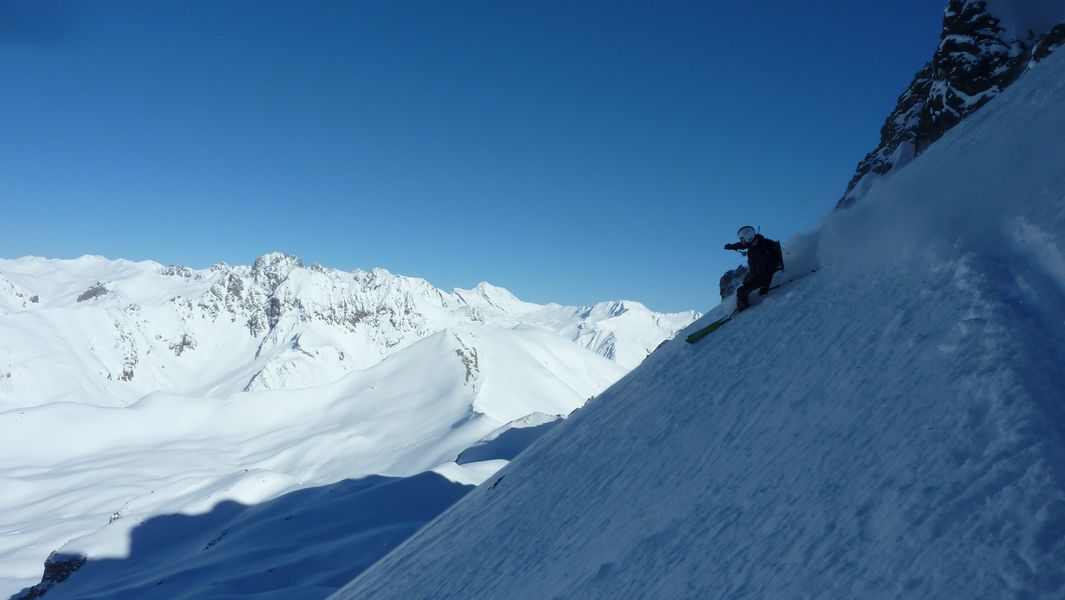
x: 892, y: 426
x: 148, y: 409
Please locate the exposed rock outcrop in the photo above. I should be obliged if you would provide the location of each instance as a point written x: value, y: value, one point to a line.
x: 731, y: 280
x: 1049, y: 42
x: 57, y: 568
x: 979, y: 55
x: 93, y: 292
x: 187, y: 342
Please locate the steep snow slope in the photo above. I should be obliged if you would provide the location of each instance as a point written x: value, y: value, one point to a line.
x: 890, y: 427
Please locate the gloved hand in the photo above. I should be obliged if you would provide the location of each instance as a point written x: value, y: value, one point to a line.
x: 730, y: 246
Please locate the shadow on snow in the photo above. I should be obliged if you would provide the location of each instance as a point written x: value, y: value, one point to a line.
x: 304, y: 544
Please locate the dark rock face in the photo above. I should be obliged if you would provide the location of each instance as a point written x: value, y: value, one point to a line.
x: 1049, y: 42
x: 731, y: 280
x: 187, y: 342
x: 93, y: 292
x: 976, y: 59
x: 57, y: 568
x: 273, y: 311
x: 177, y: 271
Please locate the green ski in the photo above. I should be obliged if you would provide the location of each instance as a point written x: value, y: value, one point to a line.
x: 705, y: 331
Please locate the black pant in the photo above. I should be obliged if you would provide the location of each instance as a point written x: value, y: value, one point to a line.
x: 751, y: 282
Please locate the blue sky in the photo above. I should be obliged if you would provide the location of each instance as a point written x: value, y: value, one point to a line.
x: 571, y: 152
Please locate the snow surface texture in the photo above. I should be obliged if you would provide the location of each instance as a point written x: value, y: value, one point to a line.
x: 132, y: 390
x: 892, y: 426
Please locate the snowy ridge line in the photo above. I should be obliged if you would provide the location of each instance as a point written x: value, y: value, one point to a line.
x: 123, y: 329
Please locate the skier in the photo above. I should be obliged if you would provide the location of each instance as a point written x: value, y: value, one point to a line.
x: 764, y: 258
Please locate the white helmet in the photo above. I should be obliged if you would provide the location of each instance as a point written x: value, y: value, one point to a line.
x: 747, y: 234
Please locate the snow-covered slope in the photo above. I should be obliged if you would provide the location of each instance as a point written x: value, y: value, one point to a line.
x: 892, y: 426
x: 133, y: 390
x: 92, y: 474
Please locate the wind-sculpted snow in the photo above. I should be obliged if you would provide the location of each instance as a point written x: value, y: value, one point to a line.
x: 889, y: 427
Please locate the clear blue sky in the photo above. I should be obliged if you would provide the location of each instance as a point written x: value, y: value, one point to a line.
x: 570, y: 151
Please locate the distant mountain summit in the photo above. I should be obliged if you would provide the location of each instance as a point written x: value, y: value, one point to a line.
x: 984, y: 47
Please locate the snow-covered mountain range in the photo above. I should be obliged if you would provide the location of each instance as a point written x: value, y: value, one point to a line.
x: 110, y: 332
x: 133, y: 390
x: 984, y: 46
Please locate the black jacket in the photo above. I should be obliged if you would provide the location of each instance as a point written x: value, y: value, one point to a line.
x: 761, y: 255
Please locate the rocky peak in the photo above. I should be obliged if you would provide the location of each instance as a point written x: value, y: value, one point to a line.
x: 979, y: 54
x: 273, y: 268
x: 273, y: 261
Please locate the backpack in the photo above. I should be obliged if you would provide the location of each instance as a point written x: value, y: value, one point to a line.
x: 777, y: 254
